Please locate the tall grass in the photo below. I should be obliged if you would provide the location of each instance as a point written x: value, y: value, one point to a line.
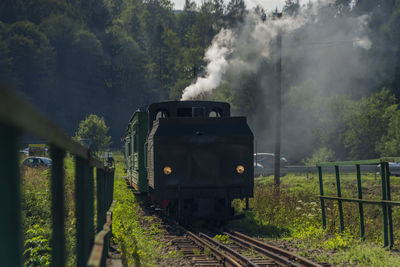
x: 136, y: 234
x: 36, y: 212
x: 294, y: 213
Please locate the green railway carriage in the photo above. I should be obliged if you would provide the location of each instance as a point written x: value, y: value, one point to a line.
x: 135, y: 150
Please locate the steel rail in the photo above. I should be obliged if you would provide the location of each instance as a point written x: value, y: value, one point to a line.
x: 279, y: 259
x: 243, y: 260
x: 226, y: 259
x: 289, y: 258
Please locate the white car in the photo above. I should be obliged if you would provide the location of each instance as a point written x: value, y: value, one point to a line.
x: 258, y: 169
x: 394, y: 168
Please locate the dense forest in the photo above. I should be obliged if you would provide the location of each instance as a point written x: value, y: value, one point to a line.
x: 72, y: 58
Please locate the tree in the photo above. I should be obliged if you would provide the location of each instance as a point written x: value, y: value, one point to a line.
x: 291, y: 7
x: 390, y: 143
x: 31, y: 59
x: 95, y: 129
x: 236, y: 11
x: 368, y: 124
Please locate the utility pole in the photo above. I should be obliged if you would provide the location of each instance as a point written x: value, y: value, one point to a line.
x: 278, y: 93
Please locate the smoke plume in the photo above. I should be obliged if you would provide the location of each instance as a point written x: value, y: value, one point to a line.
x: 215, y: 55
x: 323, y: 55
x: 247, y: 46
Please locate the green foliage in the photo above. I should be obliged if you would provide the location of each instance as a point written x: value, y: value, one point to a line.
x: 36, y: 207
x: 123, y: 54
x: 365, y: 255
x: 323, y: 154
x: 390, y: 142
x: 295, y: 209
x: 95, y: 129
x: 224, y: 239
x: 368, y: 124
x: 139, y: 246
x: 36, y: 199
x: 37, y: 247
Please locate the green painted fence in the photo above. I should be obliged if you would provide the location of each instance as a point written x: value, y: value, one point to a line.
x: 16, y: 118
x: 385, y: 203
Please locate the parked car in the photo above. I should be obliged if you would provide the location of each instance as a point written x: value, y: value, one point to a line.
x: 37, y: 162
x: 24, y: 152
x: 268, y: 159
x: 258, y: 169
x: 394, y: 168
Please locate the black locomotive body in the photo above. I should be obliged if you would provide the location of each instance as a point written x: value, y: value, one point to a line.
x: 199, y: 159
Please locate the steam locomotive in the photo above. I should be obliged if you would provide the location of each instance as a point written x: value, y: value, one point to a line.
x: 191, y: 157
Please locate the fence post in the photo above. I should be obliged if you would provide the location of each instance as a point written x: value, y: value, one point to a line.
x: 339, y: 194
x: 10, y: 198
x: 389, y: 206
x: 83, y: 209
x: 321, y: 192
x: 57, y: 206
x: 384, y: 209
x: 90, y: 209
x: 100, y: 199
x: 360, y: 205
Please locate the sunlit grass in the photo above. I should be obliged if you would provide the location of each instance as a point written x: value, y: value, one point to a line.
x: 140, y: 245
x: 294, y: 214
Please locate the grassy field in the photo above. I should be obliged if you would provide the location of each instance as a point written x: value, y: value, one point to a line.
x: 294, y: 215
x: 136, y: 234
x: 36, y: 207
x: 291, y: 217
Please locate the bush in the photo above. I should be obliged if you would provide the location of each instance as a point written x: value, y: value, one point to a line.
x: 94, y: 128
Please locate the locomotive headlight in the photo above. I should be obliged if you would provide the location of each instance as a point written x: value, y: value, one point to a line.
x: 167, y: 170
x: 240, y: 169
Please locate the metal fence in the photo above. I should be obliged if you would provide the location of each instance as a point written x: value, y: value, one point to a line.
x: 16, y: 118
x: 386, y: 202
x: 309, y: 170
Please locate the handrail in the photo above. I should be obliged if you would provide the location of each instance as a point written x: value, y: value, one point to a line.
x: 16, y: 117
x: 96, y: 258
x: 359, y: 162
x: 19, y: 113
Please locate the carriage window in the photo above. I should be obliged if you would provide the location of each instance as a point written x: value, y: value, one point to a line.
x: 162, y: 113
x: 215, y: 113
x: 135, y: 143
x: 184, y: 112
x: 128, y: 147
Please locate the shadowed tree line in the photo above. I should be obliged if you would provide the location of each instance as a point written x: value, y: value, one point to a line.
x: 73, y: 58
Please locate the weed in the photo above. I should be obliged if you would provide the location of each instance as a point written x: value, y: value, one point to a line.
x: 196, y: 251
x: 222, y: 238
x: 37, y: 248
x: 139, y: 246
x: 207, y: 252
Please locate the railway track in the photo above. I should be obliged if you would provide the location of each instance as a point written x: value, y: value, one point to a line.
x: 237, y: 250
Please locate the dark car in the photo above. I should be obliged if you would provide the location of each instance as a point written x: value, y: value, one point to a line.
x: 268, y: 159
x: 37, y: 162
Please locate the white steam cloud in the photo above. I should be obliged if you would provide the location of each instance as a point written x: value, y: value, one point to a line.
x: 363, y: 42
x: 216, y: 55
x: 246, y: 47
